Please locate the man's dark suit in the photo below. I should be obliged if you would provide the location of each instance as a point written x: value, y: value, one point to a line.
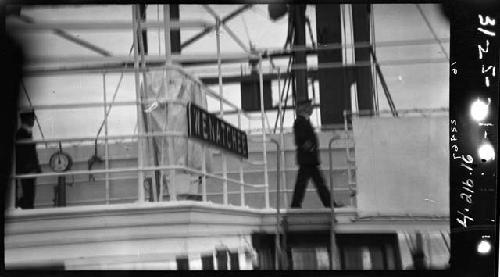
x: 26, y: 162
x: 308, y: 161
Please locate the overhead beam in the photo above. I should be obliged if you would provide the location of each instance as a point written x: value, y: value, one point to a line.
x: 124, y: 66
x: 184, y: 59
x: 238, y: 78
x: 70, y: 37
x: 106, y: 25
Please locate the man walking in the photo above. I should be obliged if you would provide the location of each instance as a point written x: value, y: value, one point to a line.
x: 27, y: 160
x: 307, y: 157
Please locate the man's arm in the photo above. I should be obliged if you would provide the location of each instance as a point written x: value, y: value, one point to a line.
x: 302, y: 140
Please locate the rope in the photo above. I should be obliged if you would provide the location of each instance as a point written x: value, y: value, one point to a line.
x: 36, y: 117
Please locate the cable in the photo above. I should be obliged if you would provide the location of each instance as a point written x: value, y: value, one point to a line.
x: 373, y: 49
x: 285, y: 85
x: 36, y: 117
x: 432, y: 31
x: 108, y: 110
x: 308, y: 22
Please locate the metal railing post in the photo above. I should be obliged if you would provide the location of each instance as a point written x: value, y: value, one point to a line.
x: 277, y: 242
x: 204, y: 161
x: 166, y: 24
x: 140, y: 128
x: 242, y: 180
x: 168, y: 60
x: 221, y: 113
x: 12, y: 198
x: 334, y: 263
x: 106, y: 145
x: 282, y: 143
x: 264, y: 148
x: 348, y: 154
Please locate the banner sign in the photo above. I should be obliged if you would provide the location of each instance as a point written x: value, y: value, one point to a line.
x: 208, y: 127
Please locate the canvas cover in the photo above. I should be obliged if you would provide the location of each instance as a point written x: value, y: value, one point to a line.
x: 161, y: 116
x: 402, y: 165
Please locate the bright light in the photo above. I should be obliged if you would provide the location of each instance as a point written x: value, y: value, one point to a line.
x: 486, y: 152
x: 483, y: 247
x: 479, y: 110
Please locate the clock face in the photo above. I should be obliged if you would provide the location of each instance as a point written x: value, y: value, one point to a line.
x: 60, y: 161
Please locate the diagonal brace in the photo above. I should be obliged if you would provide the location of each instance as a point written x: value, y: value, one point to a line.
x: 211, y: 28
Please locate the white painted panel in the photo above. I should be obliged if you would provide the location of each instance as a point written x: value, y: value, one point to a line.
x: 402, y: 165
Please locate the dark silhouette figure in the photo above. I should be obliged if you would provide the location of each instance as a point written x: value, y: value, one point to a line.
x: 27, y: 160
x: 12, y: 61
x: 307, y: 157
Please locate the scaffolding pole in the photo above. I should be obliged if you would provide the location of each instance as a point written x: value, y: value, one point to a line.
x: 168, y: 60
x: 106, y: 144
x: 221, y: 112
x: 140, y: 127
x: 263, y: 121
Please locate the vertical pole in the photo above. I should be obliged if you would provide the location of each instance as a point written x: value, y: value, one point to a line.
x: 106, y: 145
x: 282, y: 152
x: 221, y: 113
x: 299, y: 16
x: 13, y: 183
x: 140, y: 128
x: 346, y: 130
x: 204, y: 173
x: 249, y: 121
x: 203, y: 159
x: 168, y: 60
x: 242, y: 186
x: 264, y: 149
x: 334, y: 255
x: 166, y: 21
x: 278, y: 233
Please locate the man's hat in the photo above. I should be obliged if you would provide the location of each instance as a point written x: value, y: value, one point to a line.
x: 27, y: 114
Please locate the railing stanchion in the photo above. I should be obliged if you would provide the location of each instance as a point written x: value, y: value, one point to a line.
x: 203, y: 160
x: 106, y: 144
x: 140, y: 148
x: 12, y: 197
x: 221, y: 113
x: 204, y: 173
x: 348, y: 155
x: 334, y: 264
x: 277, y: 243
x: 264, y: 148
x: 242, y: 180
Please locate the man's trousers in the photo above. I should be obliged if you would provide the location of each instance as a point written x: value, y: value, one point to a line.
x: 306, y: 172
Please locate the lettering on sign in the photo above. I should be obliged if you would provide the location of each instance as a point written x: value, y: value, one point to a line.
x: 208, y: 127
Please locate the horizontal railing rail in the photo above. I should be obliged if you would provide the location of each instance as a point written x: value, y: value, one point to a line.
x: 105, y: 25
